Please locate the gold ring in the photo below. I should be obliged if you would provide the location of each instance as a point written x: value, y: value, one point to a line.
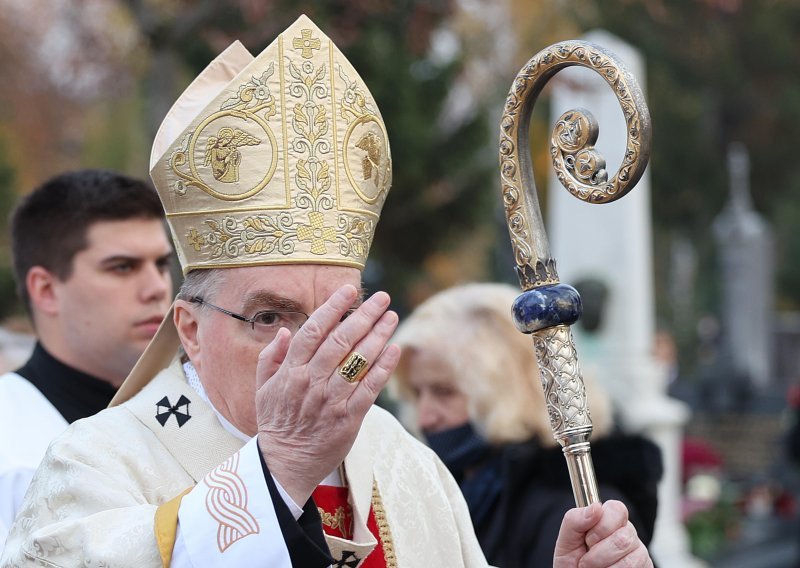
x: 354, y: 367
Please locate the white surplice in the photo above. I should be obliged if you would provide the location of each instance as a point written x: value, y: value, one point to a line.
x: 28, y: 423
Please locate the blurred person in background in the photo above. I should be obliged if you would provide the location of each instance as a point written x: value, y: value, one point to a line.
x: 468, y: 382
x: 91, y: 261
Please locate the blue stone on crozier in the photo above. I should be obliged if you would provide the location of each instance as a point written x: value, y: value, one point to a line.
x: 547, y: 306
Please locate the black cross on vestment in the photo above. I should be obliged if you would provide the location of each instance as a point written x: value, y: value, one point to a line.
x: 164, y: 409
x: 348, y: 560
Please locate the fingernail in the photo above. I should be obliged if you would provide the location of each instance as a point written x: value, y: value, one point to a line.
x: 588, y: 512
x: 348, y: 291
x: 381, y: 298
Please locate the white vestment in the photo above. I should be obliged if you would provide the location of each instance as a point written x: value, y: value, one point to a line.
x: 28, y: 423
x: 93, y: 501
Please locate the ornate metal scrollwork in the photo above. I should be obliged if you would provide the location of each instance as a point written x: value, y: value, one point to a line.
x: 578, y: 164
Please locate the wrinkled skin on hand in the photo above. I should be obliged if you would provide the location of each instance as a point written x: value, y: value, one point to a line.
x: 599, y: 536
x: 308, y: 415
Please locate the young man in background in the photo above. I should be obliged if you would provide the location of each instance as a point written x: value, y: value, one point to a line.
x: 91, y: 262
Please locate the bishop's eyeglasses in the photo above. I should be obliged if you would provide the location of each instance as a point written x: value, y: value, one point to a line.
x: 266, y: 323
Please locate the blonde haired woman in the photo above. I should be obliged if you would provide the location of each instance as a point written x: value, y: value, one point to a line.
x: 467, y: 382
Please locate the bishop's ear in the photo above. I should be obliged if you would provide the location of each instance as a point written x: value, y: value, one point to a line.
x: 185, y: 318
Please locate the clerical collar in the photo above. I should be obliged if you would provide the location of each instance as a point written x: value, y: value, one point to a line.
x: 75, y: 394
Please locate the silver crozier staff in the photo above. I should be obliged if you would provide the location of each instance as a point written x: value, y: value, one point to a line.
x: 547, y: 308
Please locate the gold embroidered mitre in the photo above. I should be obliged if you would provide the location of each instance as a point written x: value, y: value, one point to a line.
x: 288, y: 163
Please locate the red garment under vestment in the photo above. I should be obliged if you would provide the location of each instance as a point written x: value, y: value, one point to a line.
x: 337, y: 520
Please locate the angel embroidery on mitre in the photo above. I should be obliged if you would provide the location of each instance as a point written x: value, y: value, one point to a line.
x: 370, y: 143
x: 223, y: 155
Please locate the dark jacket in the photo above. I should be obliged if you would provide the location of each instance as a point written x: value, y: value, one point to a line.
x: 520, y: 528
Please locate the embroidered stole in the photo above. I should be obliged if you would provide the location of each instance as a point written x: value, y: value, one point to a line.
x: 337, y: 520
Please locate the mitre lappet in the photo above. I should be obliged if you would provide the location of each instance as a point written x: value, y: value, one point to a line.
x: 282, y: 158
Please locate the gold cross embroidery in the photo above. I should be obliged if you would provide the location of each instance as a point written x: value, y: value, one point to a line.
x: 306, y: 43
x: 195, y: 239
x: 317, y: 233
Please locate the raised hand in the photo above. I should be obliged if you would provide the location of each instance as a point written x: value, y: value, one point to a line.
x: 308, y: 414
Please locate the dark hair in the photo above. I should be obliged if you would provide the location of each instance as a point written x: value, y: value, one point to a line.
x: 49, y: 225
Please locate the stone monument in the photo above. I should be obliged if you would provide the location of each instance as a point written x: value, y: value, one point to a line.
x: 745, y: 245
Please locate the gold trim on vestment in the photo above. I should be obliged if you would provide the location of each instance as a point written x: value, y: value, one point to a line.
x: 166, y: 527
x: 383, y: 527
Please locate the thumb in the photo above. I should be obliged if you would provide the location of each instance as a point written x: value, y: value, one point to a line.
x: 571, y: 542
x: 271, y: 357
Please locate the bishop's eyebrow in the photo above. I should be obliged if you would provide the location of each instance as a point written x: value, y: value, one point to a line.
x: 263, y: 300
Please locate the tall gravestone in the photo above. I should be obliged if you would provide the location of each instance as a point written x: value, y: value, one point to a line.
x: 745, y: 245
x: 607, y: 251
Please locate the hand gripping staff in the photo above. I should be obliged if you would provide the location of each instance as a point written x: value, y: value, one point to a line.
x: 547, y: 308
